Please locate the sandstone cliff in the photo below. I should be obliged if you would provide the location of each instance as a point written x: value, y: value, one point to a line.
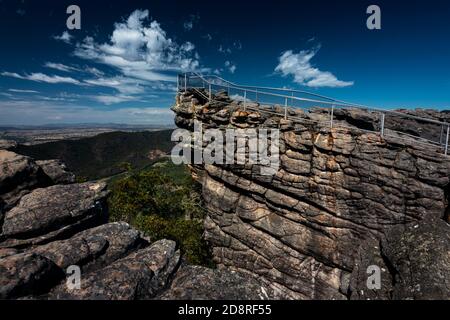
x: 343, y: 199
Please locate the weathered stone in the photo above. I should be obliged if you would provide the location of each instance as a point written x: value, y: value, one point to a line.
x: 7, y: 144
x: 25, y: 274
x: 57, y: 171
x: 93, y: 248
x: 53, y: 208
x: 414, y: 260
x: 200, y: 283
x: 420, y: 257
x: 300, y: 229
x: 138, y: 276
x: 18, y: 176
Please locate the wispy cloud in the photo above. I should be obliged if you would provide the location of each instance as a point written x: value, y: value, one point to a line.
x: 65, y: 37
x: 299, y: 66
x: 45, y: 111
x: 188, y: 25
x: 40, y: 77
x: 224, y: 50
x: 61, y: 67
x: 230, y: 66
x: 22, y: 91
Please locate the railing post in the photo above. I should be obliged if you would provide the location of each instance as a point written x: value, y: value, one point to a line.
x: 210, y: 93
x: 440, y: 137
x: 185, y: 82
x: 332, y: 116
x: 292, y: 98
x: 446, y: 140
x: 256, y: 94
x: 382, y: 124
x: 245, y: 100
x: 285, y: 108
x: 178, y: 82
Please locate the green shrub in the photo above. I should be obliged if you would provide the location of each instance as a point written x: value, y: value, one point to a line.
x: 164, y: 203
x: 188, y: 233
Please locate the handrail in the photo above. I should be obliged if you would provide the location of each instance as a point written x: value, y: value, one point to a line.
x: 206, y: 80
x: 334, y: 101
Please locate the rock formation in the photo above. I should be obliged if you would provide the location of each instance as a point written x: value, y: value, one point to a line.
x: 49, y: 224
x: 343, y: 199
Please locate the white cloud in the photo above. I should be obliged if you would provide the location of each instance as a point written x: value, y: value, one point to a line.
x: 187, y: 47
x: 60, y: 67
x: 122, y: 84
x: 141, y: 49
x: 94, y: 71
x: 113, y: 99
x: 299, y: 66
x: 34, y: 112
x: 65, y: 37
x: 224, y: 50
x: 22, y: 91
x: 188, y: 25
x: 40, y: 77
x: 230, y: 66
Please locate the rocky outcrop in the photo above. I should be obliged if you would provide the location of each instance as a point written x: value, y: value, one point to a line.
x: 47, y: 230
x: 26, y: 273
x: 138, y: 276
x: 18, y: 176
x: 47, y: 213
x: 414, y: 260
x: 216, y: 285
x: 7, y: 144
x: 300, y: 229
x: 57, y: 171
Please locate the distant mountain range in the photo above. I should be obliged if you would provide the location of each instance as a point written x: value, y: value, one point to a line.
x: 102, y: 155
x: 55, y: 126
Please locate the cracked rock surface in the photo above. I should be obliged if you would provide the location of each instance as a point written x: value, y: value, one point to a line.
x: 301, y: 229
x: 49, y: 224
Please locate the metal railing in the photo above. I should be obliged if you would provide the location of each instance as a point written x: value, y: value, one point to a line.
x: 288, y: 100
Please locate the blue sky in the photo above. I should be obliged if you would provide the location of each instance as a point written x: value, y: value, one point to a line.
x: 120, y: 67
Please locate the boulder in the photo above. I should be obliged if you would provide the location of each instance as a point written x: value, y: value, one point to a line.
x: 18, y: 176
x: 57, y: 171
x: 200, y: 283
x: 140, y: 275
x: 93, y: 248
x: 27, y: 274
x: 7, y: 144
x: 47, y: 212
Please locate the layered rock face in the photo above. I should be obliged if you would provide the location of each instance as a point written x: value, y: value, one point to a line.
x: 49, y: 225
x: 343, y: 199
